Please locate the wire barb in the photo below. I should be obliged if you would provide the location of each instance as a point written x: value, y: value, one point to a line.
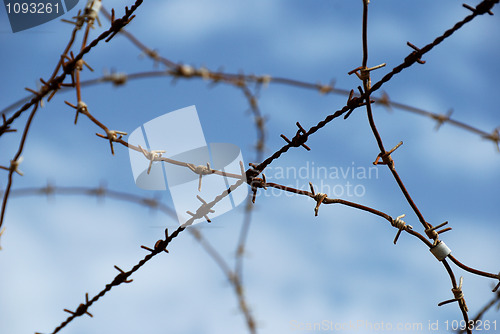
x: 256, y: 182
x: 161, y: 245
x: 459, y: 296
x: 326, y: 89
x: 152, y: 156
x: 185, y: 71
x: 354, y: 102
x: 14, y: 166
x: 121, y: 277
x: 81, y: 309
x: 299, y: 139
x: 80, y: 63
x: 318, y: 197
x: 483, y: 8
x: 117, y: 78
x: 81, y: 107
x: 77, y: 66
x: 363, y: 73
x: 433, y: 234
x: 79, y: 20
x: 201, y: 170
x: 112, y: 136
x: 91, y: 12
x: 386, y: 157
x: 202, y: 211
x: 441, y: 118
x: 415, y: 55
x: 400, y: 225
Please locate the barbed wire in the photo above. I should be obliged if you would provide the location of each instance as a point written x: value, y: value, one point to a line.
x: 50, y: 87
x: 74, y: 65
x: 121, y: 78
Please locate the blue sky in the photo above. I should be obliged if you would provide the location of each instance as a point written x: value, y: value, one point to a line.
x: 340, y: 266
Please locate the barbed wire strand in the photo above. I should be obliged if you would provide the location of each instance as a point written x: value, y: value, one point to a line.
x: 103, y: 192
x: 120, y: 79
x: 385, y: 156
x: 50, y: 88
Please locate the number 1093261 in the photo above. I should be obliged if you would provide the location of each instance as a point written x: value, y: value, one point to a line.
x: 32, y: 8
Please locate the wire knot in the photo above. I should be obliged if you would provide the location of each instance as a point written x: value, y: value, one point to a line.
x: 415, y: 55
x: 204, y: 73
x: 318, y: 197
x: 185, y: 71
x: 112, y: 136
x: 201, y: 170
x: 80, y: 63
x: 265, y: 79
x: 432, y: 232
x: 122, y: 277
x: 354, y: 102
x: 483, y: 8
x: 91, y: 12
x: 441, y: 118
x: 400, y: 224
x: 81, y: 108
x: 251, y: 173
x: 386, y: 156
x: 299, y: 139
x: 152, y: 156
x: 257, y: 182
x: 90, y: 15
x: 14, y: 166
x: 81, y: 309
x: 457, y: 292
x: 160, y: 245
x: 363, y: 73
x: 202, y: 211
x: 459, y: 296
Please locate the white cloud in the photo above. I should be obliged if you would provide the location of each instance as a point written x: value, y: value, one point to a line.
x: 196, y: 20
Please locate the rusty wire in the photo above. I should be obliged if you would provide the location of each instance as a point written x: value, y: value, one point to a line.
x: 233, y: 277
x: 51, y: 86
